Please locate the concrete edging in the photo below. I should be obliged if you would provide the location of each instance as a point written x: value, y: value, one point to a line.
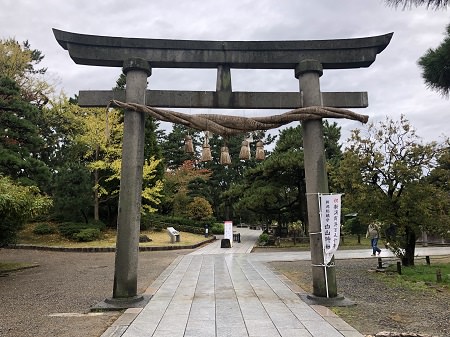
x: 105, y: 249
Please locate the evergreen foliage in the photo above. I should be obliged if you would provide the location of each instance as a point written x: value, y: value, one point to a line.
x: 435, y: 64
x: 172, y: 146
x: 440, y: 175
x: 218, y: 229
x: 199, y: 187
x: 152, y: 149
x: 224, y: 178
x: 434, y: 4
x: 275, y: 188
x: 161, y: 222
x: 43, y: 229
x: 78, y: 231
x: 87, y: 234
x: 20, y: 142
x: 72, y: 193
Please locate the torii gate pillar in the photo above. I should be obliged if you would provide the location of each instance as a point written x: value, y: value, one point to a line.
x: 129, y: 215
x: 308, y: 72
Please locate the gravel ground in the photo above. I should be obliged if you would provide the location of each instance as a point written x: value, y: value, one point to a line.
x: 380, y: 307
x: 66, y: 284
x: 54, y: 298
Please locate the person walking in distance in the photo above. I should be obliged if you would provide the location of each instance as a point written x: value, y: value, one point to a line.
x: 373, y: 232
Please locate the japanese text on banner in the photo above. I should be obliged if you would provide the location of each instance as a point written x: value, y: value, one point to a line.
x: 330, y: 221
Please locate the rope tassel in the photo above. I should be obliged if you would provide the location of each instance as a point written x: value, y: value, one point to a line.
x: 225, y: 158
x: 245, y: 151
x: 260, y: 155
x: 206, y: 151
x: 188, y: 146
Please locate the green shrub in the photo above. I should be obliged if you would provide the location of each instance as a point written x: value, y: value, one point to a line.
x: 18, y: 204
x: 98, y: 224
x: 263, y: 239
x: 199, y: 209
x: 159, y: 222
x: 43, y: 229
x: 217, y: 229
x: 70, y: 229
x: 87, y: 234
x: 190, y: 229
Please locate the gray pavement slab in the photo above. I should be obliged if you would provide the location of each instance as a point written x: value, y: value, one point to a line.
x: 221, y: 292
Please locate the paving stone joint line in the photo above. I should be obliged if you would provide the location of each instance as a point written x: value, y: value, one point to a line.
x: 236, y: 294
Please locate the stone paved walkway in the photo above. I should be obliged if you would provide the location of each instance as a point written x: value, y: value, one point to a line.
x: 220, y: 292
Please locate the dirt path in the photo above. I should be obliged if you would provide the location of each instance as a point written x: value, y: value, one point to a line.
x: 380, y: 307
x: 54, y: 298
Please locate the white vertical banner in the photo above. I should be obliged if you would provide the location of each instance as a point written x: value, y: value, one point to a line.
x: 228, y: 231
x: 330, y: 221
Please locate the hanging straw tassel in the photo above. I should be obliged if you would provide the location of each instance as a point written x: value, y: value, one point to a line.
x: 245, y: 151
x: 225, y: 158
x: 206, y: 153
x: 260, y: 155
x: 188, y: 147
x: 206, y: 150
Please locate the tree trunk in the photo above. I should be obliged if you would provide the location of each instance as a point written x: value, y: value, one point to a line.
x: 424, y: 239
x: 410, y: 246
x: 96, y: 199
x: 227, y: 211
x: 86, y: 220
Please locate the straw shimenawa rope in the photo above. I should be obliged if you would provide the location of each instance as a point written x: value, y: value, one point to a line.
x: 225, y: 125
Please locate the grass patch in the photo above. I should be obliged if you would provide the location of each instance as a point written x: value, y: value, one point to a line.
x: 347, y: 242
x: 427, y: 273
x: 421, y: 276
x: 6, y: 267
x: 108, y: 239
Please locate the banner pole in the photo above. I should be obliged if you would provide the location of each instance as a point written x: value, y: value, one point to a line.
x: 319, y: 195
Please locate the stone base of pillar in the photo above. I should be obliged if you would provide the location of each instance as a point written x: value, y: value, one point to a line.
x: 116, y: 304
x: 338, y: 301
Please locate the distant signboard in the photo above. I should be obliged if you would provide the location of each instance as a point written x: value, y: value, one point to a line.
x: 228, y: 231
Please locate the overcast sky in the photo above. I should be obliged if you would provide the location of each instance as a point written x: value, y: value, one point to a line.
x: 393, y: 81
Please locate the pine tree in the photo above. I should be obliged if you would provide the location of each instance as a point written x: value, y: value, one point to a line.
x: 434, y: 4
x: 435, y: 64
x: 20, y: 142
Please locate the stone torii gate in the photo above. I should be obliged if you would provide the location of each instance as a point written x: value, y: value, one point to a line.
x: 138, y: 56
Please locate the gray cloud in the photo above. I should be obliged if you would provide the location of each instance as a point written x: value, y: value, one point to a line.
x: 394, y: 82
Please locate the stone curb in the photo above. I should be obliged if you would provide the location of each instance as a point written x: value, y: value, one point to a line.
x: 398, y: 334
x: 104, y: 249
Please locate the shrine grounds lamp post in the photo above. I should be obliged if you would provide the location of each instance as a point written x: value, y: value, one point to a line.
x: 138, y: 56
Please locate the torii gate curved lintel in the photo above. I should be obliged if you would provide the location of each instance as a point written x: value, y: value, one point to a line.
x: 110, y: 51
